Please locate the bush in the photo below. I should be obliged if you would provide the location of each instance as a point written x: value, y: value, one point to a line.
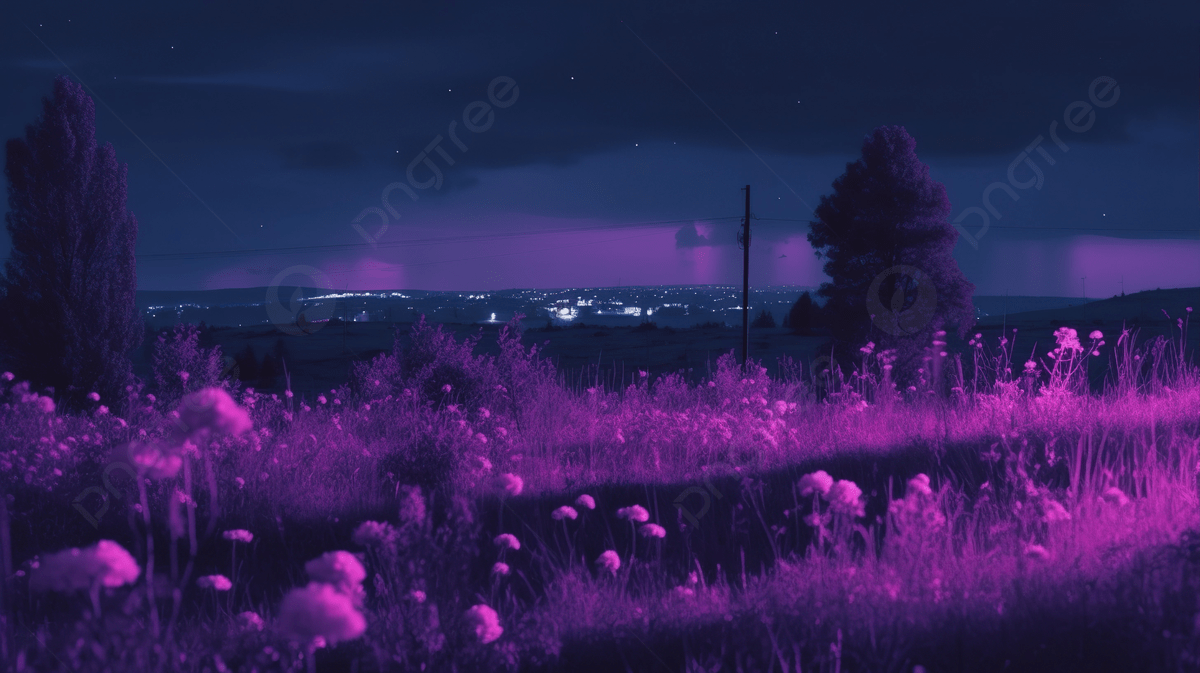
x: 182, y: 366
x: 377, y: 378
x: 432, y: 461
x: 432, y: 360
x: 521, y: 372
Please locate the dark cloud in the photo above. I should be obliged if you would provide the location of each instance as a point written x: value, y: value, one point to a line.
x: 964, y: 79
x: 320, y: 155
x: 288, y: 119
x: 689, y: 236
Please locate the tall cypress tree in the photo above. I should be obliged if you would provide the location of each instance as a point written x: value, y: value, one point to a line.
x: 68, y: 312
x: 889, y: 253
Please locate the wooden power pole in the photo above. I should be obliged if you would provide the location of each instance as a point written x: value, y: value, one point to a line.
x: 744, y: 240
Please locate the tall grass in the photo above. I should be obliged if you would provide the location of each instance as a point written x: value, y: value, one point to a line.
x: 1052, y: 511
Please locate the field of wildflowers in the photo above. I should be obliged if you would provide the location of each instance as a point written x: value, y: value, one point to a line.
x: 450, y: 511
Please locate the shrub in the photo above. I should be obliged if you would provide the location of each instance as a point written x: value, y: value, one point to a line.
x: 432, y: 360
x: 182, y: 366
x: 520, y: 371
x: 431, y: 462
x: 377, y: 378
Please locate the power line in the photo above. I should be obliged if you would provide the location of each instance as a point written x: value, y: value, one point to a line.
x: 1030, y: 227
x: 502, y: 235
x: 483, y: 238
x: 714, y: 113
x: 475, y: 238
x: 131, y: 131
x: 1099, y: 229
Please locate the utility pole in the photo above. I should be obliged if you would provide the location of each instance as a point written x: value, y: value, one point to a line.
x: 744, y: 240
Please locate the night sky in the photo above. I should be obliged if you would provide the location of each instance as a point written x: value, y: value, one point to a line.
x: 256, y: 133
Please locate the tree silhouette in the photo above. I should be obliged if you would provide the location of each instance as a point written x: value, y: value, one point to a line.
x: 247, y: 363
x: 68, y: 312
x: 888, y: 250
x: 268, y: 372
x: 804, y: 315
x: 764, y: 319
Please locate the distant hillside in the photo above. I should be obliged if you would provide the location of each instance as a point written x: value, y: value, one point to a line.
x: 1143, y: 307
x: 986, y: 305
x: 245, y: 306
x: 241, y: 295
x: 999, y: 305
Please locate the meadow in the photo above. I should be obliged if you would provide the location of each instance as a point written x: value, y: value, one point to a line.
x: 447, y: 509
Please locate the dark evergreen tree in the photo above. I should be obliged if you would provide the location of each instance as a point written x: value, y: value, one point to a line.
x: 888, y: 249
x: 68, y: 312
x: 803, y: 316
x: 764, y: 319
x: 268, y: 373
x: 207, y: 334
x: 247, y: 363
